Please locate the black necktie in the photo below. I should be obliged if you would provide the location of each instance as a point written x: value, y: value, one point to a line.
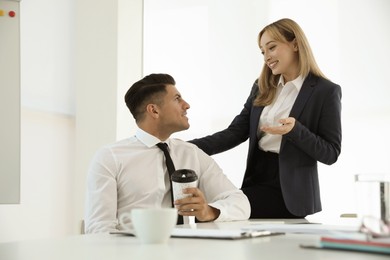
x: 171, y: 169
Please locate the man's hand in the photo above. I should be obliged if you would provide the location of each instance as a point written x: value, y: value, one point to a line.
x: 196, y: 205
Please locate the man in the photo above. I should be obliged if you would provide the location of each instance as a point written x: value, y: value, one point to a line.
x: 131, y: 173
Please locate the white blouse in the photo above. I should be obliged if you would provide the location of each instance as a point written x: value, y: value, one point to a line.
x: 286, y: 94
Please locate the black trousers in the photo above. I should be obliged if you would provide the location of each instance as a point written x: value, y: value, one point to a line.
x: 263, y: 188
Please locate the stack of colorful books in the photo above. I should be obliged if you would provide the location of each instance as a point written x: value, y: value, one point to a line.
x: 373, y: 245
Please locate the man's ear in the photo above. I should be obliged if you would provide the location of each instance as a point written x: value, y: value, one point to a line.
x: 152, y: 110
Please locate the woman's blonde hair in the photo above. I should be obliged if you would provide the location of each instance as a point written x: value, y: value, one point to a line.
x: 285, y: 30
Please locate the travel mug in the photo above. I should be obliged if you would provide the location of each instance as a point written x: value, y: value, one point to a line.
x: 181, y: 179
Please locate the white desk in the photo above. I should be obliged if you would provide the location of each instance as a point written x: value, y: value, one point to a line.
x: 106, y: 246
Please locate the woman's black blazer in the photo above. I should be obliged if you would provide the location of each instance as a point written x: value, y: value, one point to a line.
x: 316, y: 136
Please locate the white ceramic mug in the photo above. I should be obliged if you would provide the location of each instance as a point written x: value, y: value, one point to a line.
x: 151, y: 225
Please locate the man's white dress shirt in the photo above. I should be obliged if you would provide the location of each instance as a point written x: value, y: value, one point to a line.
x: 131, y: 173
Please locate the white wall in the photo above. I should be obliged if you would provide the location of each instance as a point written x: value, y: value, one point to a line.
x: 47, y: 168
x: 69, y: 85
x: 47, y: 124
x: 75, y: 69
x: 109, y: 57
x: 213, y: 54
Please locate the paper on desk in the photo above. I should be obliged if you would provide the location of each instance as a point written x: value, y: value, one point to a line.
x: 209, y: 233
x: 220, y: 233
x: 319, y: 229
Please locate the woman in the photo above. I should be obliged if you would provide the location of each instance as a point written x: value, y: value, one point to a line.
x: 292, y: 118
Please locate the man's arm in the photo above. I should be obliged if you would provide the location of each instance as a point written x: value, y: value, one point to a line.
x: 101, y: 197
x: 219, y: 192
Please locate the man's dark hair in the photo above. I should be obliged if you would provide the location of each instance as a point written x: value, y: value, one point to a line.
x: 145, y: 91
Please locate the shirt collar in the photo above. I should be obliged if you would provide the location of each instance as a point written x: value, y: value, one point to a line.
x: 297, y: 83
x: 146, y: 138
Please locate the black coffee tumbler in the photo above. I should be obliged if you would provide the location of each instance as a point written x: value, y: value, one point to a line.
x: 181, y: 179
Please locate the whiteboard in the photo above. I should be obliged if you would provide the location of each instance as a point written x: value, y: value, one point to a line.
x: 9, y: 102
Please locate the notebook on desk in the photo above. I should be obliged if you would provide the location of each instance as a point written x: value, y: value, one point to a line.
x: 231, y: 234
x: 368, y: 245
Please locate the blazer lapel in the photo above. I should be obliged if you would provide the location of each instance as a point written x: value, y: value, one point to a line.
x: 303, y: 96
